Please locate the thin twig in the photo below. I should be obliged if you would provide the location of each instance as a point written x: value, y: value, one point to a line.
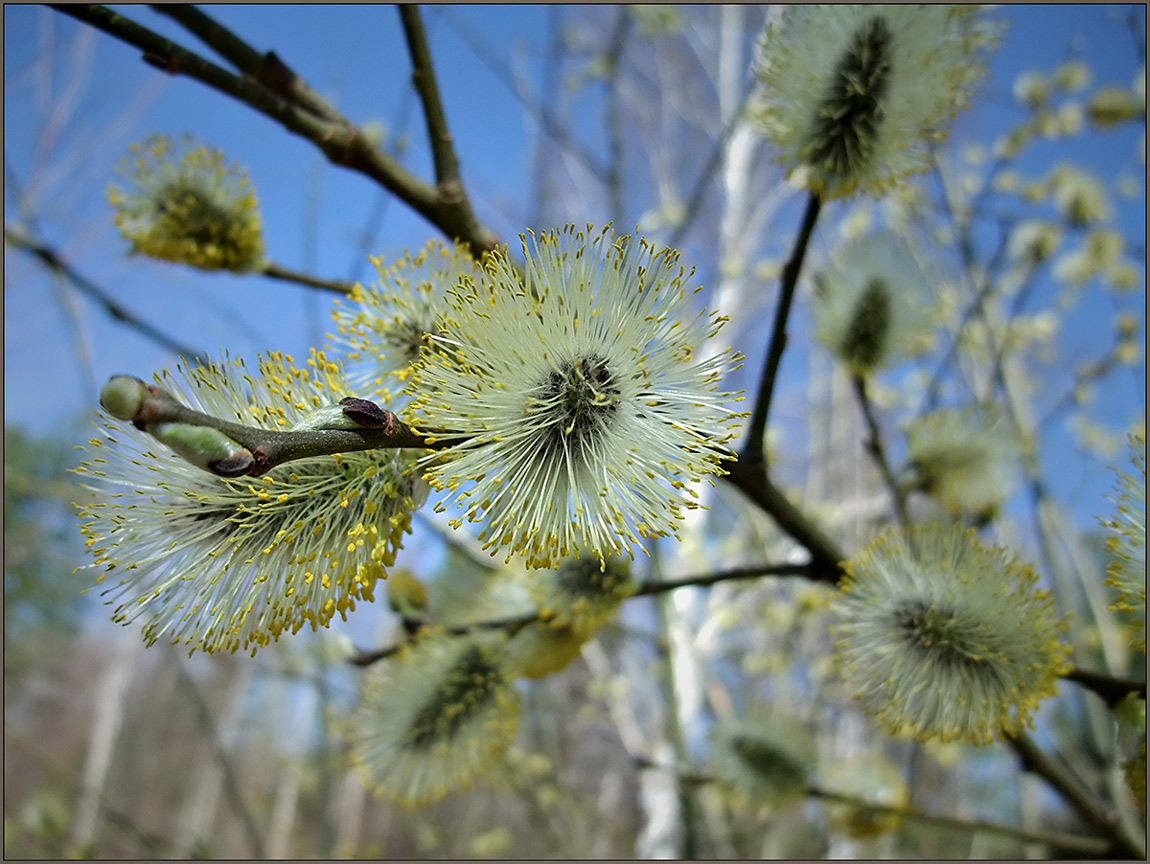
x: 513, y: 623
x: 423, y: 76
x: 778, y: 343
x: 341, y: 141
x: 749, y: 476
x: 274, y: 271
x: 1071, y: 842
x: 227, y: 774
x: 51, y: 259
x: 266, y: 68
x: 1084, y: 800
x: 1111, y: 688
x: 875, y: 447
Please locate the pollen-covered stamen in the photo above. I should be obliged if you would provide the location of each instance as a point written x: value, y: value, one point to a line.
x: 866, y: 335
x: 843, y: 134
x: 464, y: 691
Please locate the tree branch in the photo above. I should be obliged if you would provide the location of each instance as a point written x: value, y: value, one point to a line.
x: 266, y: 68
x: 875, y: 447
x: 513, y: 623
x: 1071, y: 842
x: 342, y: 142
x: 1085, y: 801
x: 778, y: 341
x: 749, y: 475
x: 423, y: 77
x: 1111, y: 689
x: 274, y: 271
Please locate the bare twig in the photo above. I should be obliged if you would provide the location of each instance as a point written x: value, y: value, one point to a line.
x: 714, y: 161
x: 1057, y: 839
x: 266, y: 68
x: 1085, y: 801
x: 340, y: 140
x: 51, y: 259
x: 1110, y: 688
x: 749, y: 476
x: 513, y: 623
x: 423, y: 76
x: 227, y: 773
x: 778, y: 343
x: 613, y: 117
x: 875, y: 447
x: 267, y: 448
x: 550, y: 124
x: 274, y: 271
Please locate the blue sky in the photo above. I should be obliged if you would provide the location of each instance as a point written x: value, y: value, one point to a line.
x: 68, y: 122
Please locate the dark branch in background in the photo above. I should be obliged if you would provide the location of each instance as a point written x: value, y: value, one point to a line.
x: 750, y: 472
x: 340, y: 140
x: 750, y: 478
x: 265, y: 68
x: 1069, y: 842
x: 52, y: 260
x: 1111, y: 689
x: 423, y: 77
x: 1084, y: 800
x: 514, y: 623
x: 790, y: 278
x: 274, y: 271
x: 540, y: 192
x: 875, y: 447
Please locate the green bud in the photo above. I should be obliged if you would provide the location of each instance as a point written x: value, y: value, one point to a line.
x: 325, y: 417
x: 123, y: 395
x: 350, y: 413
x: 204, y: 447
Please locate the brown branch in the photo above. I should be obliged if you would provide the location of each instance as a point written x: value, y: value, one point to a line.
x: 266, y: 68
x: 267, y: 448
x: 1111, y: 689
x: 274, y: 271
x: 513, y: 623
x: 1073, y: 842
x: 1100, y: 816
x: 341, y: 141
x: 749, y: 476
x: 423, y: 77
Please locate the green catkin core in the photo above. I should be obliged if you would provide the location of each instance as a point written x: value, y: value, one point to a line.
x: 767, y: 761
x: 470, y: 685
x: 843, y: 135
x: 865, y: 339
